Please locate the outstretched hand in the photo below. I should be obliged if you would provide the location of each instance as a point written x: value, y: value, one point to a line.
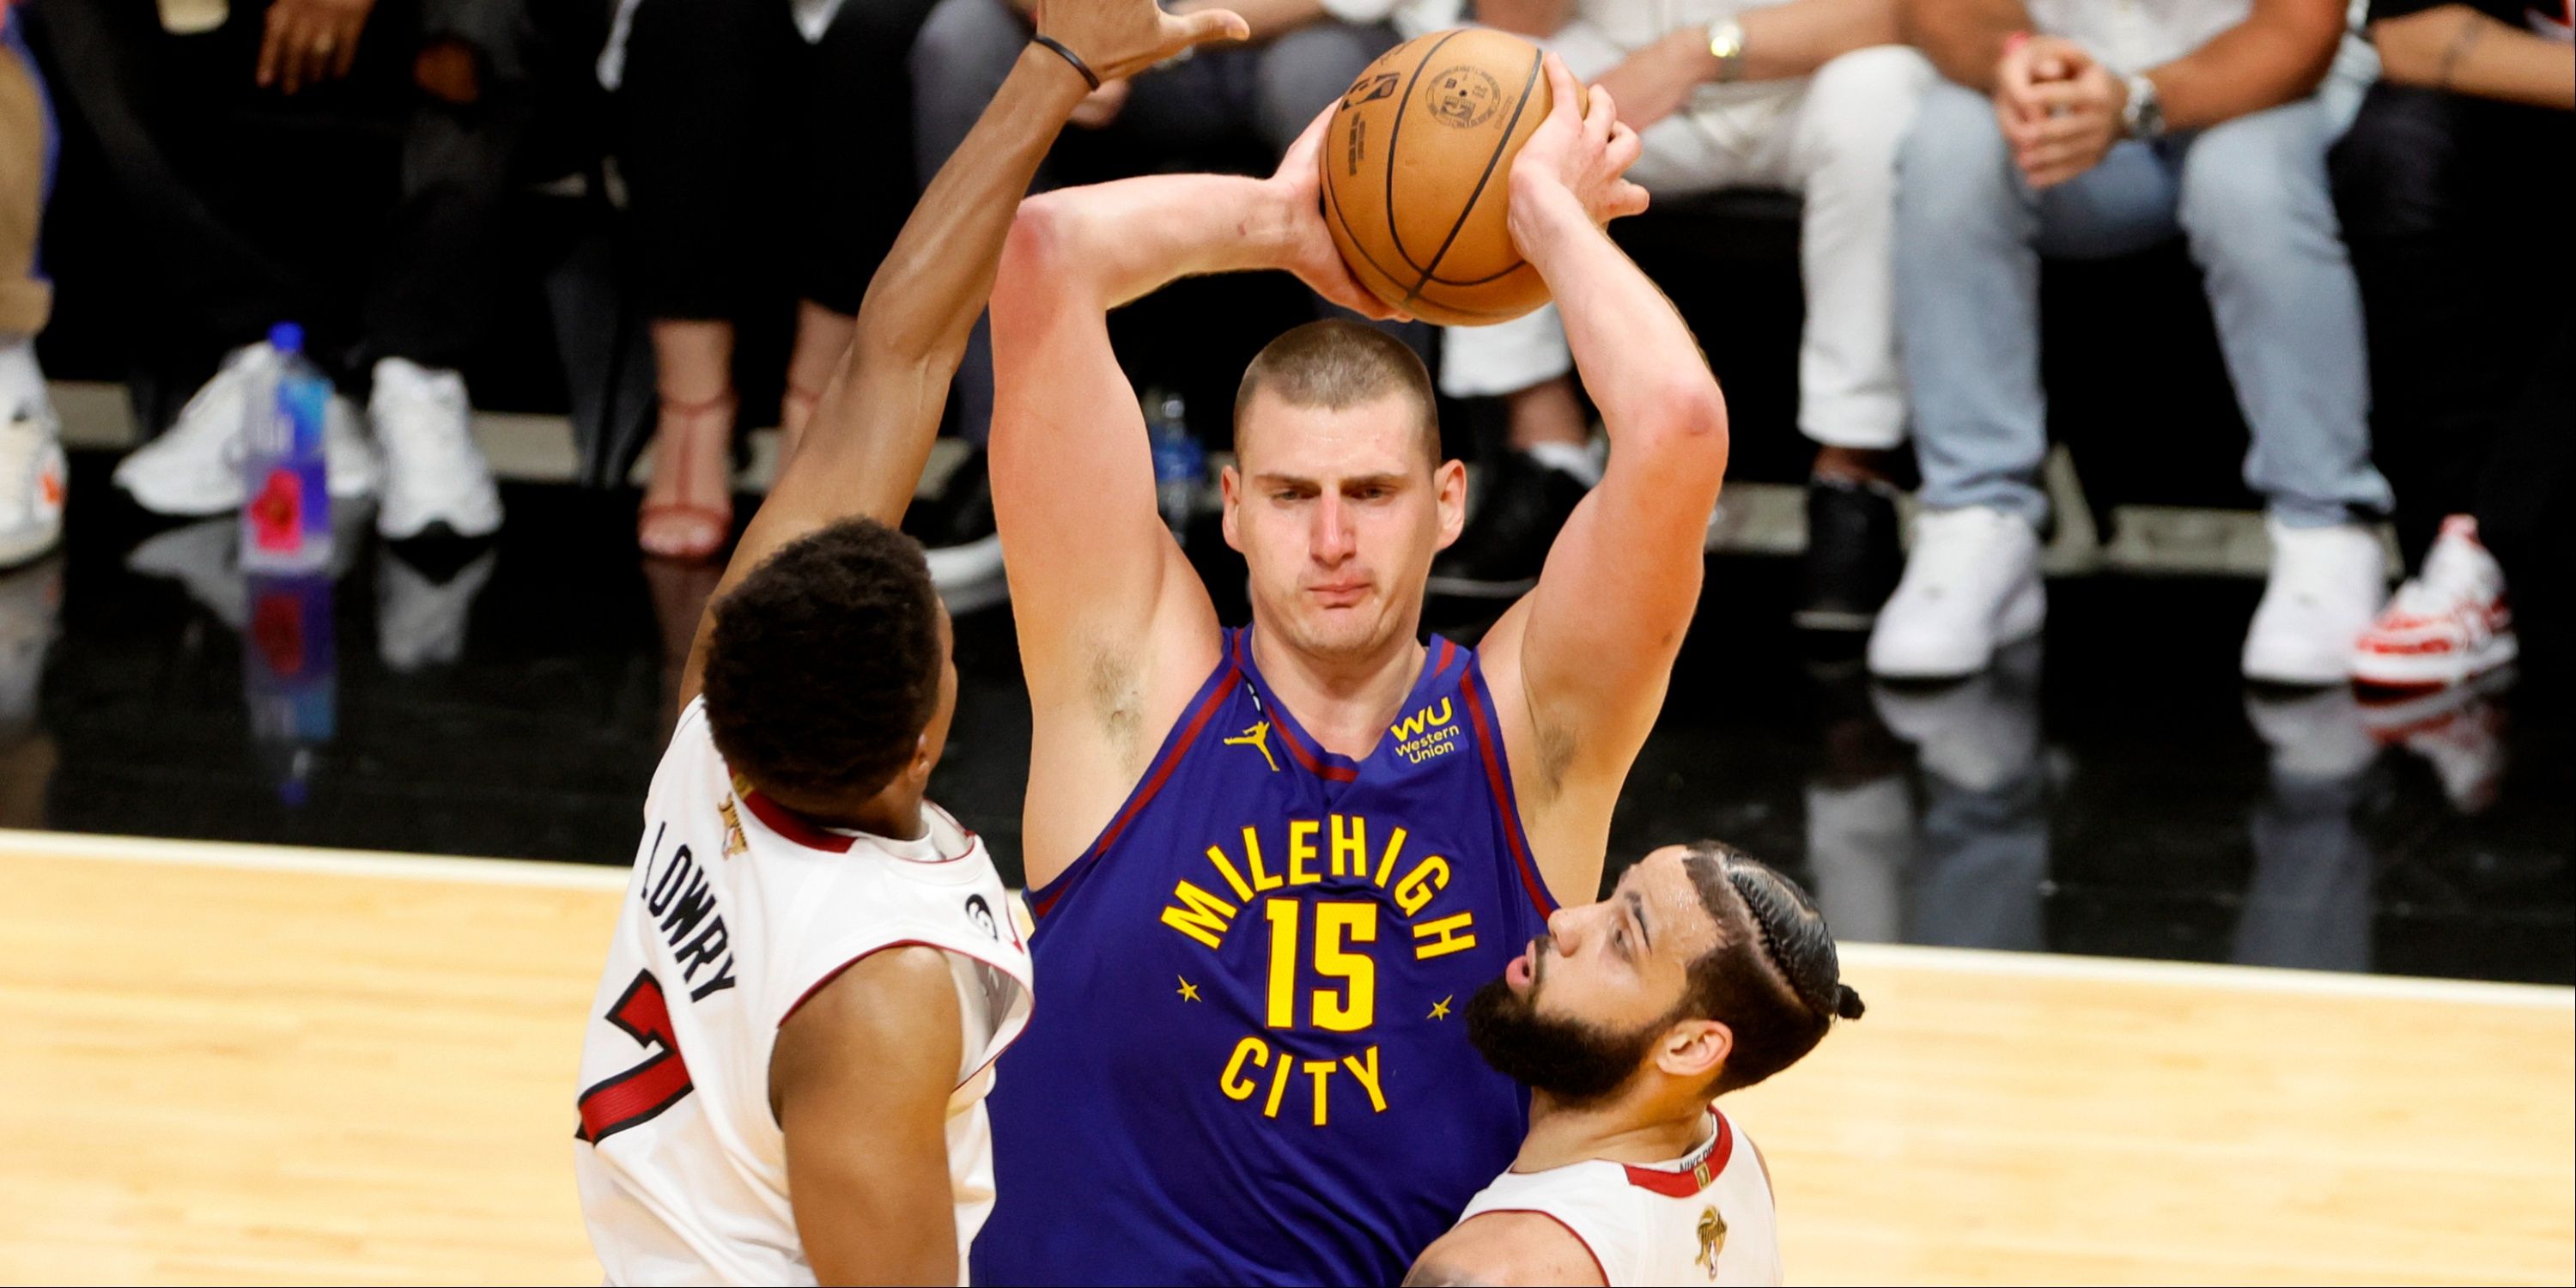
x: 1119, y: 38
x: 1582, y: 150
x: 1298, y: 187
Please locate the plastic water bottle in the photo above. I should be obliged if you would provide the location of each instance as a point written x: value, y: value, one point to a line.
x: 1180, y: 464
x: 286, y: 507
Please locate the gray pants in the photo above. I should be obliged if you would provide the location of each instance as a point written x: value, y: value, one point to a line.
x: 1267, y: 92
x: 2251, y: 198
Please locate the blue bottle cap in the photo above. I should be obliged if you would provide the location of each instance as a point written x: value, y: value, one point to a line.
x: 286, y: 337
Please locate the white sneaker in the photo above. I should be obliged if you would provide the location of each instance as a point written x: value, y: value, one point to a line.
x: 194, y: 469
x: 2446, y: 624
x: 2325, y: 585
x: 435, y: 475
x: 33, y: 477
x: 1971, y: 586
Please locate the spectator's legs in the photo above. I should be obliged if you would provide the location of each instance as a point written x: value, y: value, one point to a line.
x: 1969, y: 232
x: 2256, y: 209
x: 856, y: 165
x: 1844, y: 139
x: 698, y: 106
x: 2255, y: 205
x: 32, y: 475
x: 959, y: 61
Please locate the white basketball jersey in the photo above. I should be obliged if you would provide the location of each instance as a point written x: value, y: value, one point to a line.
x: 1705, y: 1218
x: 736, y: 912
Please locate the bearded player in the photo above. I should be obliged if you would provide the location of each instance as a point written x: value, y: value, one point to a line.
x: 814, y: 968
x: 1704, y: 972
x: 1269, y: 865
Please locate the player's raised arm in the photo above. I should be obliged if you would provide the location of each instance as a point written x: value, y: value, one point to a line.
x: 1115, y: 629
x: 1592, y: 645
x: 872, y: 428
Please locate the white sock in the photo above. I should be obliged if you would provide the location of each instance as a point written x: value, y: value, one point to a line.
x: 22, y: 382
x: 1569, y: 458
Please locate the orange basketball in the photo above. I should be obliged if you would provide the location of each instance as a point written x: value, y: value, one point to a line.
x: 1416, y: 175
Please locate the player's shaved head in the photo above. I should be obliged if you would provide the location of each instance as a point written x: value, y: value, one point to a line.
x: 1335, y: 364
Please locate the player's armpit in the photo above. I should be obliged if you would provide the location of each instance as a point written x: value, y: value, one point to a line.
x: 1504, y: 1249
x: 860, y: 1081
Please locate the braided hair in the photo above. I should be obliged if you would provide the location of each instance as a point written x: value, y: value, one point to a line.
x: 1773, y: 979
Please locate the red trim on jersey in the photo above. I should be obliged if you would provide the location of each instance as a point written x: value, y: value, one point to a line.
x: 792, y: 827
x: 1697, y: 1177
x: 996, y: 1053
x: 1500, y: 782
x: 1585, y: 1244
x: 1153, y: 783
x: 1298, y: 751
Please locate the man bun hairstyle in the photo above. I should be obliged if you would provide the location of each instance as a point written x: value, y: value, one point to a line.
x: 1337, y: 363
x: 823, y: 666
x: 1774, y: 979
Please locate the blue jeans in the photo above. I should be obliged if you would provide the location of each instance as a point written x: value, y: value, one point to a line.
x: 2250, y: 196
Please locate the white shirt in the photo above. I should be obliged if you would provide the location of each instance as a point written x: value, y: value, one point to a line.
x: 1703, y: 1218
x: 737, y: 911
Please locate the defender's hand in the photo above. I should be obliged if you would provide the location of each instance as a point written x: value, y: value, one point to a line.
x: 1306, y: 245
x: 306, y: 42
x: 1119, y: 38
x: 1581, y: 150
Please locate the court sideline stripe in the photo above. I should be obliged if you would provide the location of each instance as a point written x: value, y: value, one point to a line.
x: 287, y: 858
x: 1966, y: 961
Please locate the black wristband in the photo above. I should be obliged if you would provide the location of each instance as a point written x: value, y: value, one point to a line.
x: 1089, y: 76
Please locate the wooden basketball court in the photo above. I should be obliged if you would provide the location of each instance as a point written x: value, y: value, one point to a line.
x: 240, y: 1064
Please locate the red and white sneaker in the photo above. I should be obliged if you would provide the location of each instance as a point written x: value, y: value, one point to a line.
x: 2446, y: 624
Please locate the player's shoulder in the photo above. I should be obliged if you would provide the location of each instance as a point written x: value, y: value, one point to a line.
x: 1508, y: 1246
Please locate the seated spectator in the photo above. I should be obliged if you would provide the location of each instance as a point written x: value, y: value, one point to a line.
x: 1810, y: 96
x: 760, y: 141
x: 1302, y: 56
x: 2454, y: 193
x: 31, y: 455
x: 221, y: 146
x: 2116, y: 128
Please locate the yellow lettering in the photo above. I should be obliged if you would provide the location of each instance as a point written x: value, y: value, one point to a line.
x: 1323, y: 1072
x: 1386, y: 865
x: 1443, y: 717
x: 1261, y: 878
x: 1350, y: 849
x: 1232, y: 1081
x: 1225, y: 868
x: 1207, y: 918
x: 1367, y: 1074
x: 1283, y: 961
x: 1278, y: 1085
x: 1301, y: 850
x: 1428, y: 878
x: 1448, y: 935
x: 1335, y: 924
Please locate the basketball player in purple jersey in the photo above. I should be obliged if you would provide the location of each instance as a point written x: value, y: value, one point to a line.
x: 1270, y: 865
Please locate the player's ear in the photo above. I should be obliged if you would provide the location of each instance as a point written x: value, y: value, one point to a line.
x: 1450, y: 484
x: 1231, y: 484
x: 1694, y: 1050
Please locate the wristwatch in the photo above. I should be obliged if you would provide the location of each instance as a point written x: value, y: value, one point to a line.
x: 1726, y: 45
x: 2143, y: 116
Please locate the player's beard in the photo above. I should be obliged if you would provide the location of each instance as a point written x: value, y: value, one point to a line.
x: 1574, y: 1062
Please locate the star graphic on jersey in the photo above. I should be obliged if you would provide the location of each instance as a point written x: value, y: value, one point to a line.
x: 1189, y: 992
x: 1440, y: 1009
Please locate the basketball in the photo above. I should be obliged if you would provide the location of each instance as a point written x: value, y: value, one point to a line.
x: 1416, y: 169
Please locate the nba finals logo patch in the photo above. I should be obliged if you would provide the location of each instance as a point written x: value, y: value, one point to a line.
x: 1712, y: 1239
x: 1464, y: 97
x: 1426, y: 733
x: 734, y: 841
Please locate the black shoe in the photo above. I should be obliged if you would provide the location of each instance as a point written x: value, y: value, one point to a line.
x: 1506, y: 543
x: 955, y: 528
x: 1852, y: 563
